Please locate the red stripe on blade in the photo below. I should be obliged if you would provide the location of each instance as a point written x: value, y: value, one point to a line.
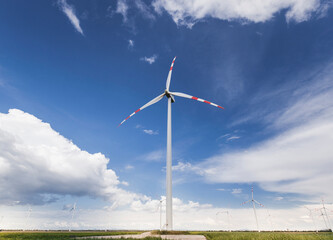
x: 195, y: 98
x: 170, y: 68
x: 220, y: 107
x: 206, y: 102
x: 137, y: 110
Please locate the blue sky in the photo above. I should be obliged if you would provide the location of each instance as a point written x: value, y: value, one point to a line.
x: 84, y: 66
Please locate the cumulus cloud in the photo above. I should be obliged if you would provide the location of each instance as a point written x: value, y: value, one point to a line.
x: 296, y: 160
x: 188, y: 12
x: 69, y: 11
x: 149, y: 60
x: 37, y: 164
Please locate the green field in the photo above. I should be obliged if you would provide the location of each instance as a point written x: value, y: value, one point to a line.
x: 266, y: 235
x: 55, y: 235
x: 208, y: 235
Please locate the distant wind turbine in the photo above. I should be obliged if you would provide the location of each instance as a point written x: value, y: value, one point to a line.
x: 269, y: 216
x: 170, y: 96
x: 328, y: 219
x: 254, y: 207
x: 72, y: 210
x: 27, y: 218
x: 227, y: 212
x: 313, y: 220
x: 323, y: 213
x: 160, y: 207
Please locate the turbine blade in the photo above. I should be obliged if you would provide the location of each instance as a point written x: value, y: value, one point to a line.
x: 184, y: 95
x: 169, y: 75
x: 155, y: 100
x: 245, y: 202
x: 261, y: 205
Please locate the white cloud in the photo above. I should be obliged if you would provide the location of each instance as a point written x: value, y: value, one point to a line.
x: 147, y: 131
x: 188, y: 12
x: 187, y: 215
x: 299, y: 158
x: 138, y: 6
x: 182, y: 167
x: 232, y: 138
x: 122, y: 8
x: 150, y: 132
x: 129, y: 167
x: 149, y: 60
x: 236, y: 191
x: 37, y: 164
x: 130, y: 43
x: 144, y: 9
x: 70, y: 13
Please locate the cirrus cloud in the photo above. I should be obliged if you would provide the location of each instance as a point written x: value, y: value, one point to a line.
x: 69, y: 11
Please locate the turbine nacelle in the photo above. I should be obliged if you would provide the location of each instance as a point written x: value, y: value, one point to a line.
x: 169, y: 95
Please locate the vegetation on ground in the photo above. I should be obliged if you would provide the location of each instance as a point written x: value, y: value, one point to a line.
x: 56, y: 235
x: 266, y: 235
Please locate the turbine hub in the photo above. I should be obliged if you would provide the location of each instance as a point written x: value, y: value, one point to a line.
x: 168, y: 95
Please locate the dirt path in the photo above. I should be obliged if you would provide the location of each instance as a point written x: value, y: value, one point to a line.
x: 148, y: 234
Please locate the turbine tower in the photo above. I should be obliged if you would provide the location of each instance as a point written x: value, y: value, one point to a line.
x: 254, y: 207
x: 171, y: 99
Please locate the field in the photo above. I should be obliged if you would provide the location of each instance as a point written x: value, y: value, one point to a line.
x: 208, y: 235
x: 55, y: 235
x: 266, y: 236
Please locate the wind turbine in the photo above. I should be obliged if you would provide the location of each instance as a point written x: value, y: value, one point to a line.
x: 27, y: 218
x: 72, y: 210
x: 313, y: 220
x: 227, y: 212
x: 254, y: 207
x: 269, y: 216
x: 171, y: 99
x: 160, y: 207
x: 328, y: 219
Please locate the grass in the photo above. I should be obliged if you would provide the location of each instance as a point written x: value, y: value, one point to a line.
x: 209, y: 235
x: 266, y: 235
x: 55, y: 235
